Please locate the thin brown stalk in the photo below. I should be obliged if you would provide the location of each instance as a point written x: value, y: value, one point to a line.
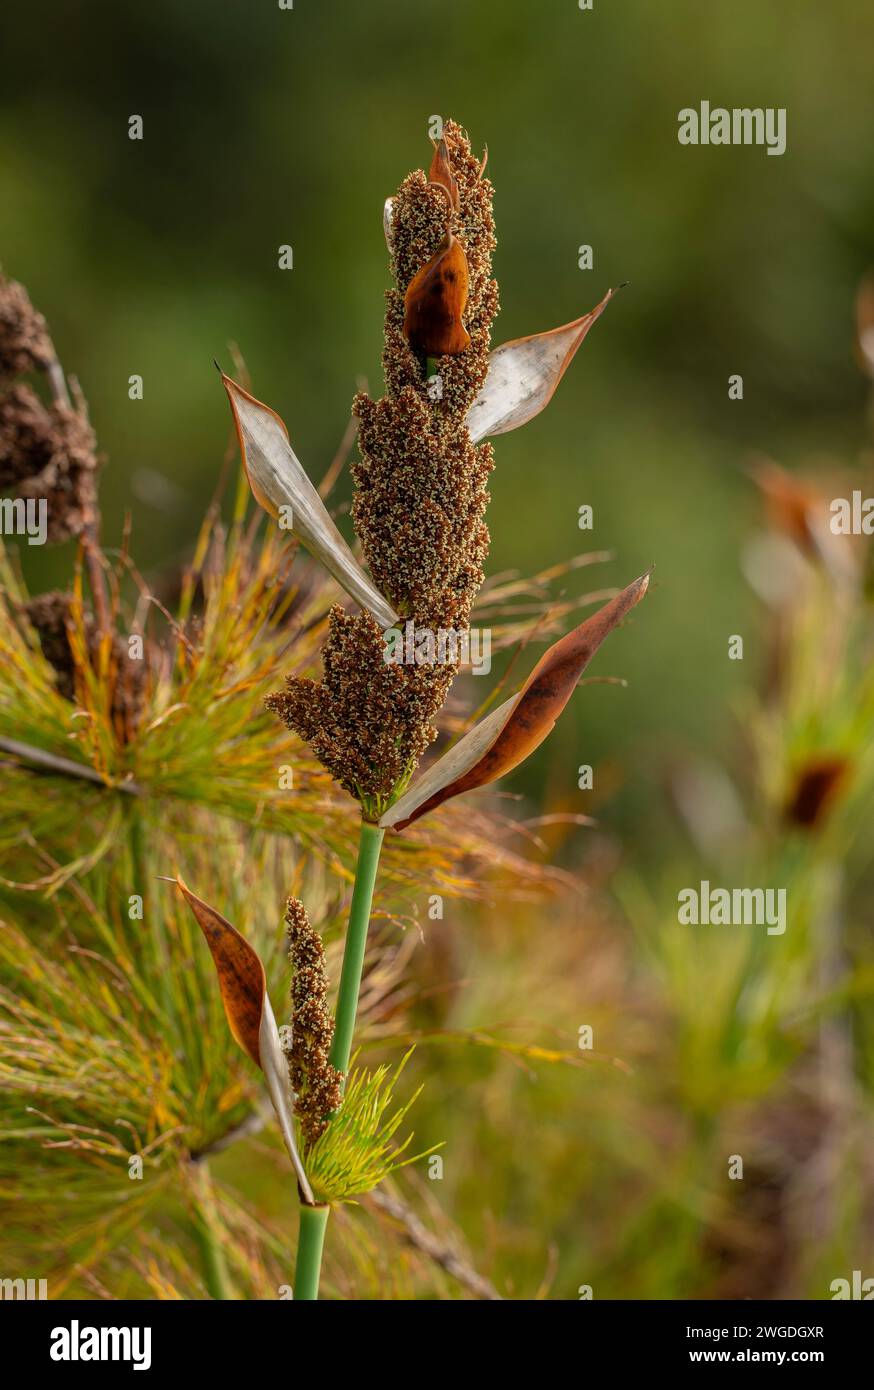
x: 417, y: 1235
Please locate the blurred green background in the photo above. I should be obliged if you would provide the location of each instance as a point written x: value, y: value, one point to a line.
x: 265, y: 127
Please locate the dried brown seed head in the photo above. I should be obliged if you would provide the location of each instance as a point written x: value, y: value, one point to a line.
x: 25, y: 345
x: 317, y: 1085
x: 817, y: 786
x: 367, y: 721
x: 421, y: 486
x: 50, y: 615
x: 50, y: 453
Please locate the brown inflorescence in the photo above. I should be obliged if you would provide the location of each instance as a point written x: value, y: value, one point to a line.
x: 367, y: 721
x: 48, y: 452
x: 25, y: 345
x: 51, y: 617
x: 419, y: 505
x: 316, y: 1084
x: 815, y: 790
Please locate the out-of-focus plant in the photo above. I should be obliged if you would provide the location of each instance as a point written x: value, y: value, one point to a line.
x: 770, y: 1053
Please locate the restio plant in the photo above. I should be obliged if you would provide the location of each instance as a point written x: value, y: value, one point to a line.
x: 127, y: 750
x: 419, y: 515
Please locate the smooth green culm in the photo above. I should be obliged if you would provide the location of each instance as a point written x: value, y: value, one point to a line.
x: 310, y: 1241
x: 313, y: 1220
x: 369, y: 847
x: 207, y: 1231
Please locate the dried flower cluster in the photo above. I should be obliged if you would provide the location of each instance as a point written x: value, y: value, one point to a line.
x: 421, y: 486
x: 307, y: 1043
x: 25, y: 345
x: 51, y: 617
x: 46, y: 452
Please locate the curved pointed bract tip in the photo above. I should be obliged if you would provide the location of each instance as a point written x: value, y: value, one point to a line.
x: 441, y: 173
x: 281, y: 486
x: 238, y: 393
x: 506, y: 736
x: 523, y: 375
x: 241, y: 977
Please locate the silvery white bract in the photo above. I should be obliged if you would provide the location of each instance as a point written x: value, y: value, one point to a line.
x: 274, y: 1065
x: 278, y: 480
x: 388, y: 209
x: 523, y: 375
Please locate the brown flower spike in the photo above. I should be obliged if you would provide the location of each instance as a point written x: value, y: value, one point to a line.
x: 47, y: 453
x: 25, y: 345
x: 421, y: 492
x: 421, y: 489
x: 421, y: 485
x: 316, y: 1084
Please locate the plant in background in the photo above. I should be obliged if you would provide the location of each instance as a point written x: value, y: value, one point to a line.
x: 418, y: 509
x: 769, y: 1048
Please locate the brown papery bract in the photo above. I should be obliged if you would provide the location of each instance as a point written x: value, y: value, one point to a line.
x: 240, y: 973
x: 521, y: 725
x: 434, y: 303
x: 441, y: 172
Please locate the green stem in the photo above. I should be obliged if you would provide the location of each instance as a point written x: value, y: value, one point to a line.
x: 215, y: 1269
x: 313, y: 1220
x: 310, y: 1242
x: 153, y: 921
x: 356, y: 944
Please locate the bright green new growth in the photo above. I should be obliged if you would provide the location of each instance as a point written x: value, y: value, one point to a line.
x: 358, y: 1149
